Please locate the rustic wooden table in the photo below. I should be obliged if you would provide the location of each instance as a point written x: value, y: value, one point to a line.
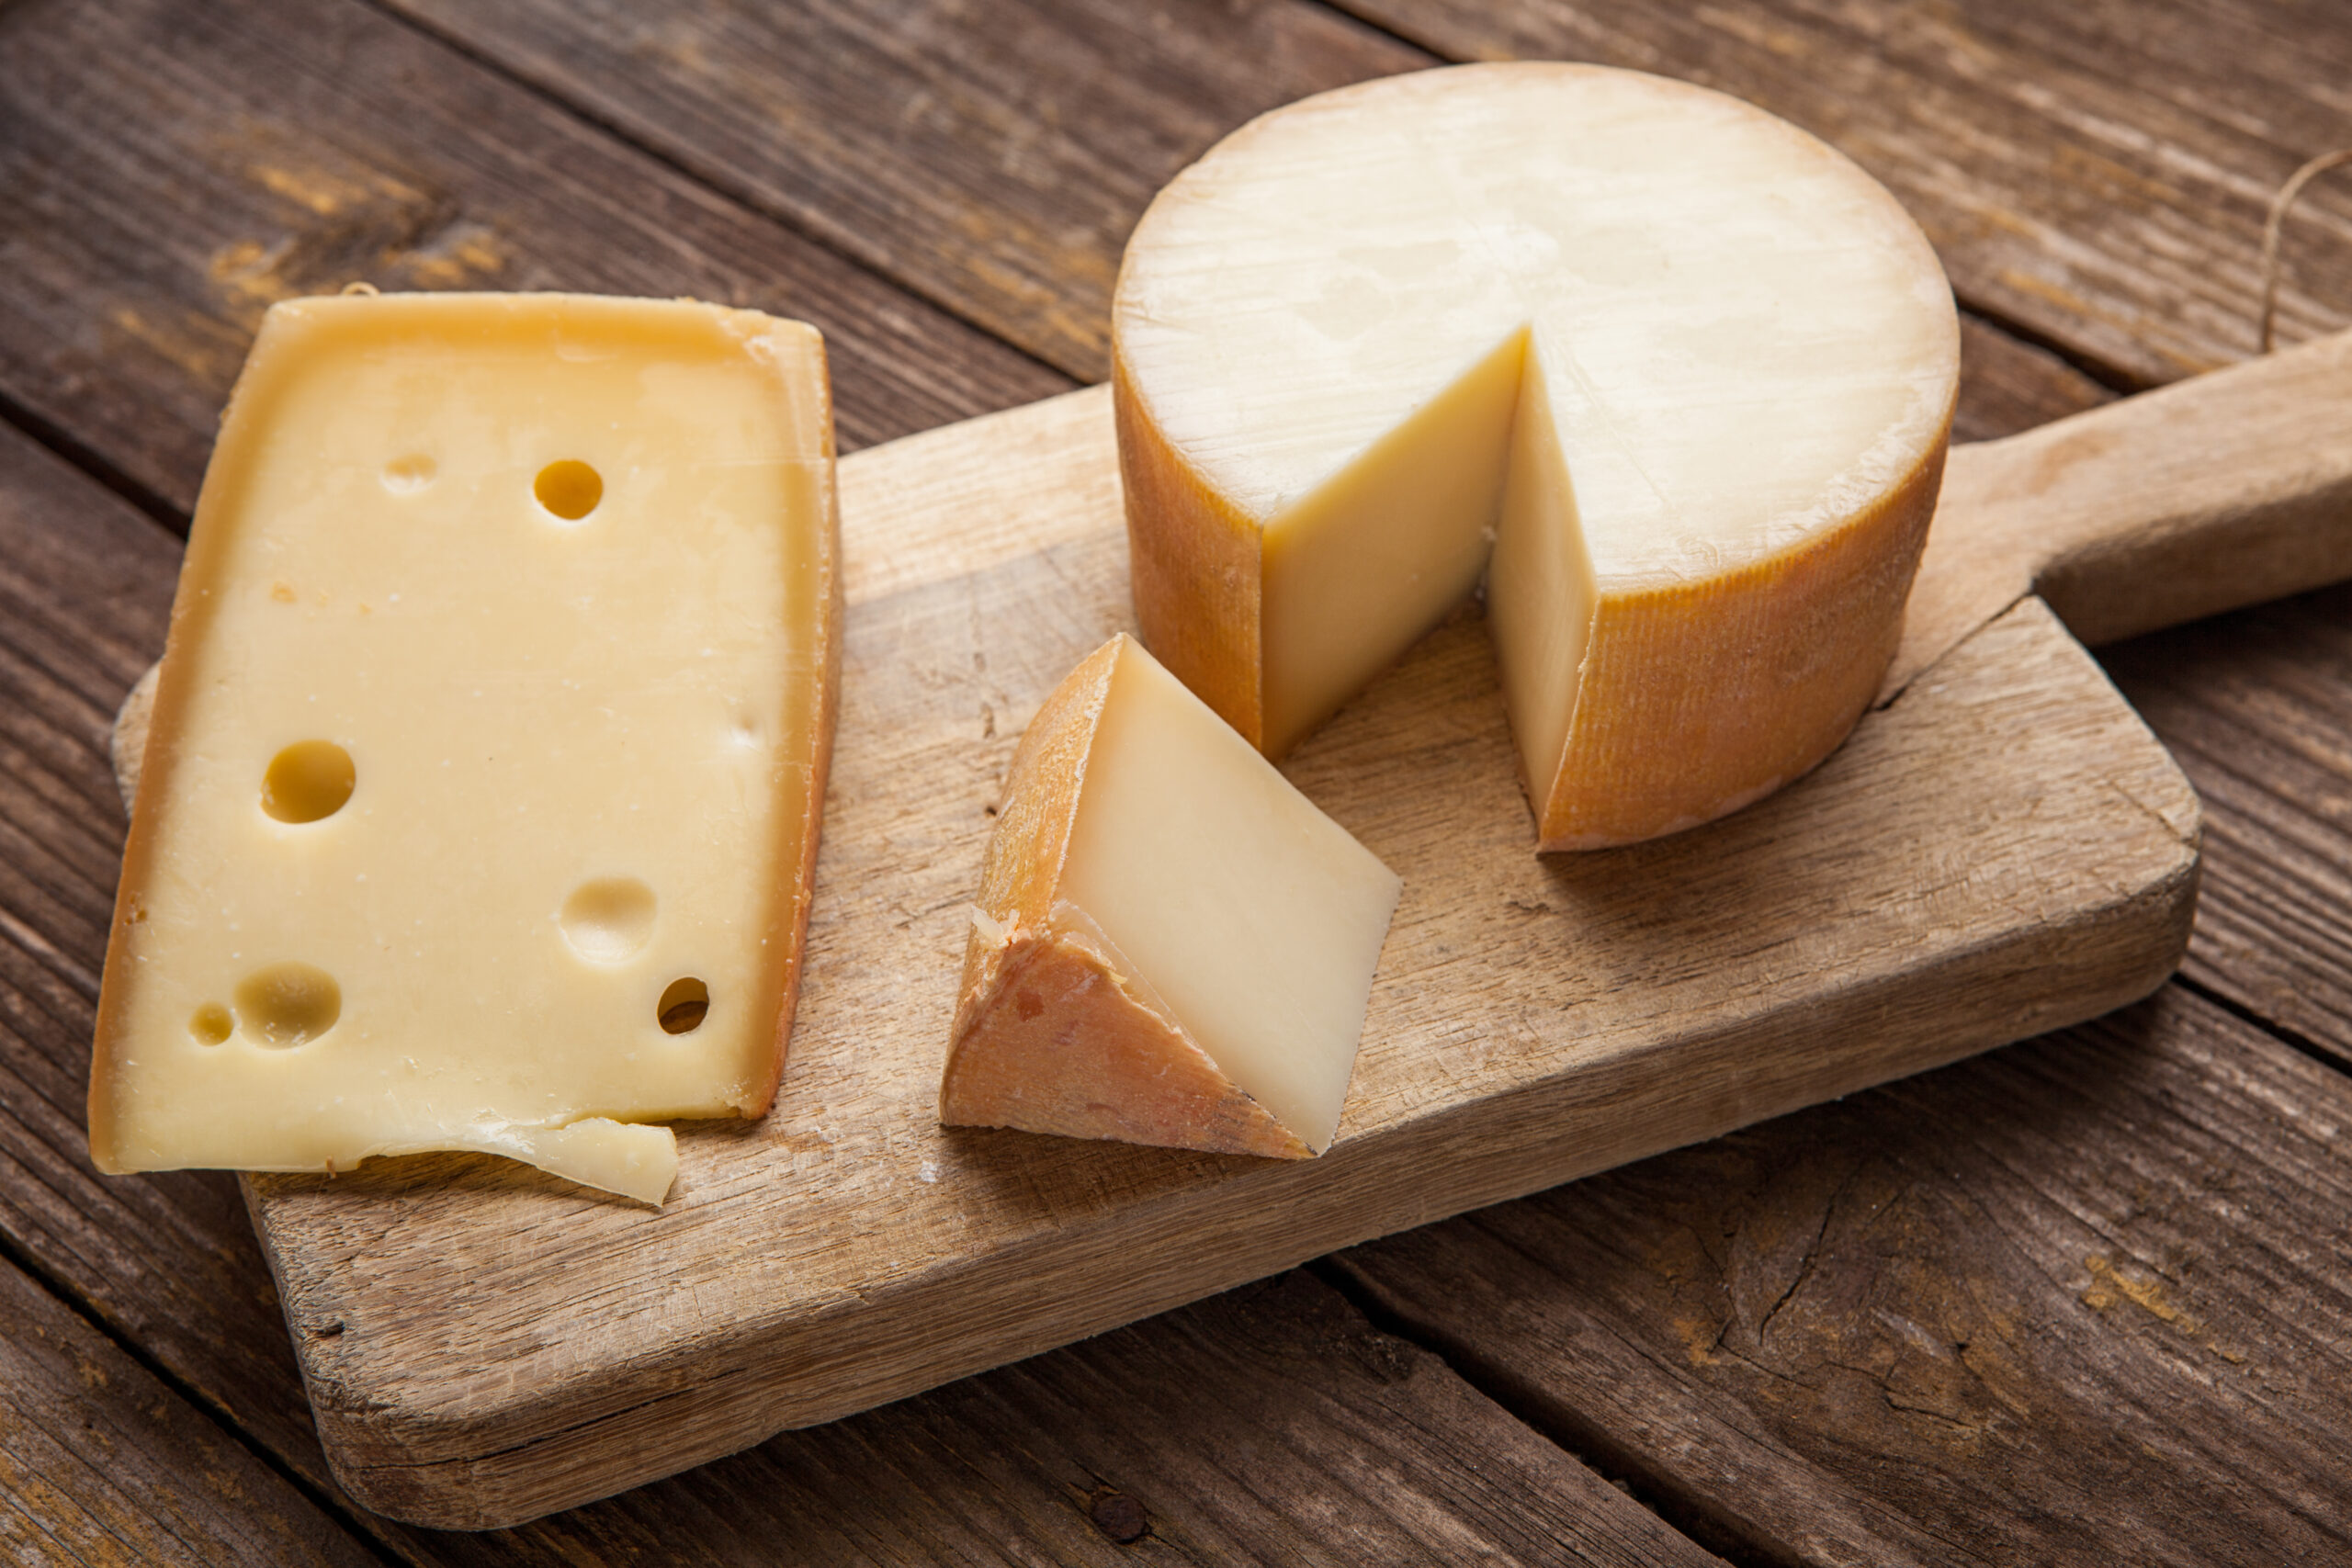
x: 2085, y: 1300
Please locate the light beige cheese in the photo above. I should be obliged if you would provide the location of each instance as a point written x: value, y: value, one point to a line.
x: 480, y: 800
x: 1174, y: 947
x: 1676, y: 377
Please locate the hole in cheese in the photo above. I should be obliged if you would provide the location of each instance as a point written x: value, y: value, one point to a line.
x: 607, y: 919
x: 570, y: 489
x: 685, y: 1004
x: 288, y: 1005
x: 308, y: 782
x: 211, y: 1024
x: 406, y: 475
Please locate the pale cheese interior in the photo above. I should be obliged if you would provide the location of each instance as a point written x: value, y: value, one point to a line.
x: 580, y: 750
x: 1255, y: 920
x: 1742, y: 340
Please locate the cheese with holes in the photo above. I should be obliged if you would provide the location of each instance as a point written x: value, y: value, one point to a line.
x: 1174, y: 947
x: 1674, y: 374
x: 481, y: 799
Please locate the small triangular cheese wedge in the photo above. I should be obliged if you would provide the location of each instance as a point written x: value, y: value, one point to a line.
x: 1173, y: 946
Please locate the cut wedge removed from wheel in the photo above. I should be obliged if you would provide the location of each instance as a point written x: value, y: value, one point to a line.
x: 1676, y: 376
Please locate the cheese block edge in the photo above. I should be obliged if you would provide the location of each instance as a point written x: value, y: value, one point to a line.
x: 639, y: 1155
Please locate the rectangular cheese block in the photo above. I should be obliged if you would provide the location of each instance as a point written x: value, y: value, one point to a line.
x: 480, y: 800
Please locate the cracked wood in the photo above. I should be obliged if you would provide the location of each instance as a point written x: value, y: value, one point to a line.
x: 2071, y: 1302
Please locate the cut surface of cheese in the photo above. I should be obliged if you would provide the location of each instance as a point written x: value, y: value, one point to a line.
x: 1173, y: 946
x: 1687, y: 371
x: 480, y: 803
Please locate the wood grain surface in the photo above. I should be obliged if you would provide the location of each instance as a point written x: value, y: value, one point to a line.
x: 101, y: 1463
x: 2132, y: 210
x: 303, y: 144
x: 1944, y: 1322
x: 2003, y: 850
x: 2258, y: 709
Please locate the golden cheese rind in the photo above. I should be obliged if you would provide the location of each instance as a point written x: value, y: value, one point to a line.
x: 1060, y: 1042
x: 1722, y: 356
x: 558, y: 576
x: 1194, y: 565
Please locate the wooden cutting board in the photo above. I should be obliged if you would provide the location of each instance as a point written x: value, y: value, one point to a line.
x: 2001, y: 848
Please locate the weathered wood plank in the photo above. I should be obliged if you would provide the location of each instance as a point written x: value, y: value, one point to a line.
x: 2096, y: 172
x: 1275, y: 1427
x: 990, y: 157
x: 125, y: 334
x: 169, y: 1263
x: 2257, y: 707
x: 166, y: 171
x: 2075, y: 1301
x: 100, y: 1464
x: 1269, y: 1425
x: 2008, y: 384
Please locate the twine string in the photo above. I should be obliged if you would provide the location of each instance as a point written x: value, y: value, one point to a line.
x: 2279, y: 205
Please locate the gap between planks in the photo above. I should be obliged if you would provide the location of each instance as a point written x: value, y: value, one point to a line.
x: 224, y: 1420
x: 1671, y: 1509
x: 746, y: 198
x: 88, y: 461
x: 2294, y: 1039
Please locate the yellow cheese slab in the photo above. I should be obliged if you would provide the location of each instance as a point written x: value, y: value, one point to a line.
x: 481, y: 804
x: 1675, y: 375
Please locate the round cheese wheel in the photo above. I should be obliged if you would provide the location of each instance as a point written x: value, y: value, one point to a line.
x: 1673, y: 375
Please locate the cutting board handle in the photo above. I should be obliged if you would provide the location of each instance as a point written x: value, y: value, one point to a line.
x: 2225, y: 490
